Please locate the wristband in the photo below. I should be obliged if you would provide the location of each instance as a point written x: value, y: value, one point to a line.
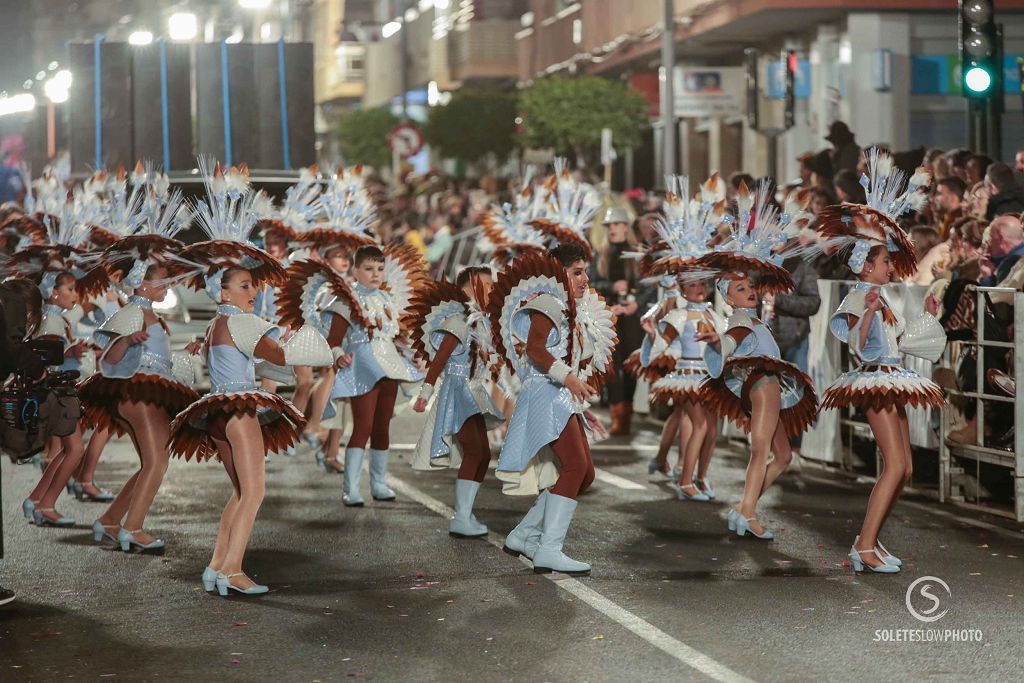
x: 426, y: 391
x: 559, y: 371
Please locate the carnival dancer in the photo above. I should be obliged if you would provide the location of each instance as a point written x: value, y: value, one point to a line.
x: 558, y: 335
x: 749, y: 384
x: 508, y: 233
x: 141, y: 385
x: 685, y: 233
x: 879, y: 251
x: 279, y: 228
x: 366, y: 342
x: 63, y: 273
x: 451, y: 328
x: 238, y: 421
x: 345, y: 214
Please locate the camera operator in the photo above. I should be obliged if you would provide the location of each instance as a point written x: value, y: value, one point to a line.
x: 20, y: 312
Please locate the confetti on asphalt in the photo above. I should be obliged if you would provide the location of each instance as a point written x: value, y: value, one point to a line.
x: 598, y: 637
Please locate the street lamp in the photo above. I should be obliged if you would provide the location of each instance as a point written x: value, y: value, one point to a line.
x: 182, y: 26
x: 140, y: 38
x: 17, y: 104
x: 391, y: 28
x: 57, y: 89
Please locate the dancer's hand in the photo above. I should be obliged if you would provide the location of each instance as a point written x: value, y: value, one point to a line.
x: 595, y: 424
x: 711, y: 338
x: 647, y: 324
x: 420, y: 405
x: 194, y: 347
x: 873, y: 301
x: 137, y: 337
x: 344, y: 361
x: 580, y: 390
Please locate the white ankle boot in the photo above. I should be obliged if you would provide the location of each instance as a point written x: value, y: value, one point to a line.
x: 525, y: 538
x: 558, y: 513
x: 378, y: 476
x: 353, y: 473
x: 464, y: 524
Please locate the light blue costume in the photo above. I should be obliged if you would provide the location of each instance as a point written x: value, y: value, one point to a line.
x: 151, y: 357
x: 543, y: 406
x: 374, y: 356
x: 759, y: 343
x: 879, y: 373
x: 690, y: 369
x: 461, y: 393
x: 54, y: 323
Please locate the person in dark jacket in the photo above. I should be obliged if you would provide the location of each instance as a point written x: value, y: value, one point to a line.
x: 1004, y: 194
x: 790, y: 319
x: 20, y: 305
x: 845, y: 151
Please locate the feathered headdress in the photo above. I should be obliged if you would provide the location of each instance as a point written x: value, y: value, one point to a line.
x: 347, y: 213
x: 688, y: 226
x: 298, y: 211
x: 152, y: 243
x: 64, y: 251
x: 568, y: 208
x: 856, y: 228
x: 507, y: 227
x: 227, y: 216
x: 758, y: 232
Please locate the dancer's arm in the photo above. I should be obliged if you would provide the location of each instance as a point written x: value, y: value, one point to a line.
x: 336, y: 335
x: 444, y: 352
x: 537, y: 352
x: 120, y: 346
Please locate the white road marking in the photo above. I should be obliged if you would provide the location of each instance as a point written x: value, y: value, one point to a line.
x: 616, y: 480
x: 631, y: 622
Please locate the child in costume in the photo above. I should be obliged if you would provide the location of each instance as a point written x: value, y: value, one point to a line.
x: 558, y: 335
x: 749, y: 384
x: 238, y: 421
x: 879, y: 251
x: 141, y: 385
x: 686, y: 231
x: 365, y: 336
x: 451, y: 328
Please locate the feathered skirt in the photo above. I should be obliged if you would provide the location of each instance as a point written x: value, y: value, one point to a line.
x: 879, y: 387
x: 659, y: 367
x: 101, y: 396
x: 682, y: 384
x: 728, y: 395
x: 193, y: 432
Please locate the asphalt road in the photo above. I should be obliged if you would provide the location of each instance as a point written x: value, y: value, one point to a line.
x: 383, y: 593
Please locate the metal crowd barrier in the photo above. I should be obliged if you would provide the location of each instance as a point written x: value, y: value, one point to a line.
x: 977, y: 452
x: 465, y: 251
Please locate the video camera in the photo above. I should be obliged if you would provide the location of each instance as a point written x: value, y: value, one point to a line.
x: 33, y: 410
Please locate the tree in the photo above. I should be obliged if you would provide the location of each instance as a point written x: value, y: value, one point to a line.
x: 568, y: 115
x: 363, y: 136
x: 473, y: 124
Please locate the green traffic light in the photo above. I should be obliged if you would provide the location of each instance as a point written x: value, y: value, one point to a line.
x: 977, y: 79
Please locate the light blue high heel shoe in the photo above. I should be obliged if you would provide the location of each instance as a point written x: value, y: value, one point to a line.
x: 290, y: 451
x: 27, y: 508
x: 731, y: 518
x: 70, y: 486
x: 224, y: 585
x: 743, y: 527
x: 210, y: 579
x: 683, y: 495
x: 859, y: 565
x: 888, y: 557
x: 41, y: 520
x: 127, y: 540
x: 99, y: 532
x: 81, y: 494
x: 704, y: 486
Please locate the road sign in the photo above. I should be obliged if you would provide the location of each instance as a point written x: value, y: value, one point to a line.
x: 405, y: 140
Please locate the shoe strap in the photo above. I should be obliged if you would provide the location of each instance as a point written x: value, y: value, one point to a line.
x: 229, y: 576
x: 133, y: 532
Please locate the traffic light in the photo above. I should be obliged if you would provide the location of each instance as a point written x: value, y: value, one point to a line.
x: 980, y: 52
x: 790, y: 63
